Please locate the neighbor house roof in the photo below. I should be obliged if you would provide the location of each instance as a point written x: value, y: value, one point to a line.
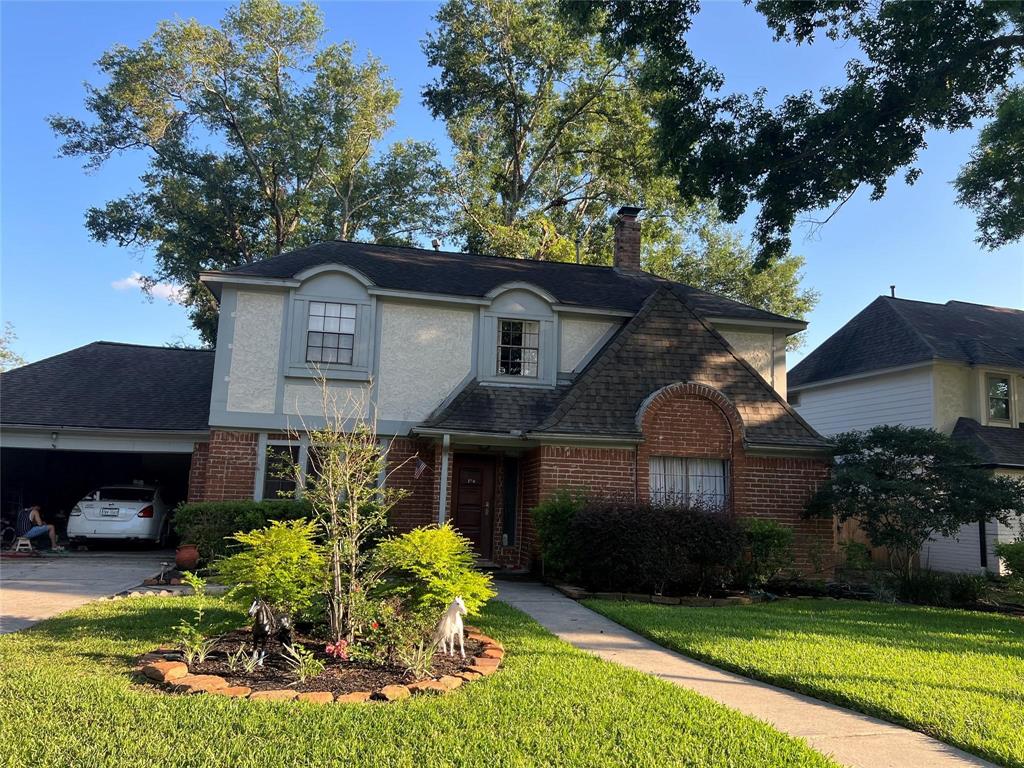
x: 473, y: 275
x: 666, y: 342
x: 994, y: 446
x: 105, y: 385
x: 891, y: 333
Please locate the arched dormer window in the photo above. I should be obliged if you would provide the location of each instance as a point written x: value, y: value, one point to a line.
x: 517, y: 337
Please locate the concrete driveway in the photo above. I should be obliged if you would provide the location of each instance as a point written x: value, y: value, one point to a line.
x: 35, y: 588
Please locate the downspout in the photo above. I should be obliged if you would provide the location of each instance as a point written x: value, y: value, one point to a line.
x: 442, y: 495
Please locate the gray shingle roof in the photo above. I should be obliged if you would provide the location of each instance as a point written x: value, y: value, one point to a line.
x: 664, y: 343
x: 474, y: 275
x: 890, y: 333
x: 995, y: 446
x: 105, y: 385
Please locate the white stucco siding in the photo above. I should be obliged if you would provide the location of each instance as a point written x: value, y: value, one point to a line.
x: 903, y: 397
x: 425, y: 352
x: 579, y: 337
x: 955, y: 395
x: 755, y: 347
x: 255, y: 352
x: 305, y: 399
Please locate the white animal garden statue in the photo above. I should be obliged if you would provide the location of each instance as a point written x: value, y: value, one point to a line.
x: 450, y: 627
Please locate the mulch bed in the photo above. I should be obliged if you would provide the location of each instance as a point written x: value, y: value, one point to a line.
x: 339, y: 677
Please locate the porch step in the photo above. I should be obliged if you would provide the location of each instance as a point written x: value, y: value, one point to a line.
x: 500, y: 572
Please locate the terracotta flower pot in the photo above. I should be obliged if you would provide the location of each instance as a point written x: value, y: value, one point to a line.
x: 186, y: 557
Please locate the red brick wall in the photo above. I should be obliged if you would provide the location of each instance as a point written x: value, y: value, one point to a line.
x: 230, y: 467
x: 418, y: 508
x: 197, y: 472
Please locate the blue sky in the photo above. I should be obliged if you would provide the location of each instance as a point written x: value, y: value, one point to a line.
x: 61, y: 290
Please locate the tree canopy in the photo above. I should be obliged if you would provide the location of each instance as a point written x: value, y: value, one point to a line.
x: 259, y: 137
x: 925, y: 66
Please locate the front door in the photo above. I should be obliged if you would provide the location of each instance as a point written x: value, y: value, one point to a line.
x: 473, y: 483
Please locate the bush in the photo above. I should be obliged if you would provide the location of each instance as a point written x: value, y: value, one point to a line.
x: 553, y: 520
x: 429, y: 567
x: 769, y: 550
x: 281, y: 564
x: 942, y: 589
x: 210, y: 524
x: 1013, y: 555
x: 631, y: 546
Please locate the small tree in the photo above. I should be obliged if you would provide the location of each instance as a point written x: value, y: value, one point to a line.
x: 904, y: 485
x: 348, y: 501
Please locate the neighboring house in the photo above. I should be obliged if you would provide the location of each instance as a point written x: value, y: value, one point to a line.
x: 955, y: 367
x: 497, y: 381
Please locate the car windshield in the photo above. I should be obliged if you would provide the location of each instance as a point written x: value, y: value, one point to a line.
x: 125, y: 494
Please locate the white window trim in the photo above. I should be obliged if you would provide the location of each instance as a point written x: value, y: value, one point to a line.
x: 261, y: 463
x: 1011, y: 378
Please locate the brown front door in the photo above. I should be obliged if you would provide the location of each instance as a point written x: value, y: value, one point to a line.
x: 473, y: 484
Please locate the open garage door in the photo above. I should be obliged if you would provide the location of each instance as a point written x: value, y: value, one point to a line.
x: 58, y: 479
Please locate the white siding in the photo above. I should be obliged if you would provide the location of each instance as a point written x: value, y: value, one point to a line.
x: 904, y: 397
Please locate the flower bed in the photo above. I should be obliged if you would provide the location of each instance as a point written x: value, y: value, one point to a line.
x: 341, y: 681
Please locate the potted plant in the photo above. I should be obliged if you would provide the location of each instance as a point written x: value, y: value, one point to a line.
x: 186, y: 557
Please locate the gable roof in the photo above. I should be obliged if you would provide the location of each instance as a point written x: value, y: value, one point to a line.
x: 106, y: 385
x: 890, y: 333
x: 664, y: 343
x: 994, y: 446
x: 474, y: 275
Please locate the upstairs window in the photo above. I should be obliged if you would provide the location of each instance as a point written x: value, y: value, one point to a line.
x: 331, y: 332
x: 518, y: 347
x: 998, y: 398
x: 688, y: 481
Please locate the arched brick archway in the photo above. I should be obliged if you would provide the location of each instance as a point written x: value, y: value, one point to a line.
x: 688, y: 420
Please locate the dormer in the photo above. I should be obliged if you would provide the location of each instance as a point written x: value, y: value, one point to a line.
x: 517, y: 340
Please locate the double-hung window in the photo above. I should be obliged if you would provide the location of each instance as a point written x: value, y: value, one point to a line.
x: 518, y: 347
x: 689, y: 481
x: 998, y: 398
x: 331, y: 332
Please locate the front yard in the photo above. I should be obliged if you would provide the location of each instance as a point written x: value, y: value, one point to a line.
x: 66, y: 699
x: 956, y: 675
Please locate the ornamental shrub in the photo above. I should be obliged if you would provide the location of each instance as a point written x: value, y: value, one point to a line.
x: 1012, y: 554
x: 553, y: 520
x: 282, y: 564
x: 768, y: 551
x: 211, y: 524
x: 635, y: 546
x: 429, y: 567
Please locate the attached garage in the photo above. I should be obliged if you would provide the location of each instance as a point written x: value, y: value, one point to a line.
x: 102, y: 414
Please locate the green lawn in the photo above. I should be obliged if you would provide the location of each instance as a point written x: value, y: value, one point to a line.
x: 66, y: 699
x: 957, y: 675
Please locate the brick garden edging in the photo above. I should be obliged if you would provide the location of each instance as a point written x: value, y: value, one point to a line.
x: 578, y: 593
x: 174, y: 677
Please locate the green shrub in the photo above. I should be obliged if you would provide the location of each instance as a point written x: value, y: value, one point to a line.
x: 281, y: 564
x: 553, y: 520
x: 429, y: 567
x: 769, y: 550
x: 636, y: 546
x: 210, y: 524
x: 943, y: 590
x: 856, y: 555
x: 1012, y: 554
x: 968, y: 588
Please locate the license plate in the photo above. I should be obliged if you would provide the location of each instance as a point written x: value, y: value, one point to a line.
x: 110, y: 511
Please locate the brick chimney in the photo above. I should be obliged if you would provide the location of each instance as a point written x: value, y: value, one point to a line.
x: 627, y: 239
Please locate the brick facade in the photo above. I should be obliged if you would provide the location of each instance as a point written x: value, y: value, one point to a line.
x: 681, y: 420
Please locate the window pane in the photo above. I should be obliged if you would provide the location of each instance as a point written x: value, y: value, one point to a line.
x: 348, y: 310
x: 345, y: 356
x: 315, y: 339
x: 332, y: 324
x: 313, y: 354
x: 316, y: 322
x: 278, y: 480
x: 331, y: 340
x: 999, y: 398
x: 346, y: 325
x: 333, y: 310
x: 316, y: 308
x: 346, y: 341
x: 330, y: 355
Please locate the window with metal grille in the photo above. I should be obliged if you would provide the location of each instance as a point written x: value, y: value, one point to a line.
x: 688, y: 481
x: 331, y: 333
x: 518, y: 347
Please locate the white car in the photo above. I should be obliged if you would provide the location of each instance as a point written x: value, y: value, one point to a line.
x: 127, y: 512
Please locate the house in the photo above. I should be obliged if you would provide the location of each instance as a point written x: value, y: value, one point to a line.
x: 955, y: 367
x: 496, y: 381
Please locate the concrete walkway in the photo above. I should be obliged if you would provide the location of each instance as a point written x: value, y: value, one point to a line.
x: 35, y: 588
x: 848, y: 737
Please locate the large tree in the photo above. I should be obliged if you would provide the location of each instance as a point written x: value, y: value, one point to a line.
x: 259, y: 136
x: 939, y: 65
x: 552, y: 134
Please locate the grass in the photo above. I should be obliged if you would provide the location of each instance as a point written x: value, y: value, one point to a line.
x: 66, y: 699
x: 956, y: 675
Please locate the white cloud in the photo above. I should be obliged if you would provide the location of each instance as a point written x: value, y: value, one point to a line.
x: 135, y: 280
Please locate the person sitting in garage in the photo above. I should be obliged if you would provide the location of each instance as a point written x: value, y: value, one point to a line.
x: 32, y: 525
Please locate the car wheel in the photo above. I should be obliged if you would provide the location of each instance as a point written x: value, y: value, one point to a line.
x: 165, y: 531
